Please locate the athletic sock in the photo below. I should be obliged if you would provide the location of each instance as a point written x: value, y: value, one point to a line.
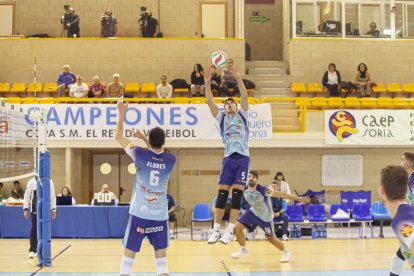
x: 396, y: 265
x: 161, y: 265
x: 230, y: 228
x: 216, y: 226
x: 126, y: 265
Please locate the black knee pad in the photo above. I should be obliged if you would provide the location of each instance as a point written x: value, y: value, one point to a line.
x: 400, y: 255
x: 222, y: 199
x: 236, y: 199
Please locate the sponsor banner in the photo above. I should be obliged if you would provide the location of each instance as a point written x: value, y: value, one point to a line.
x: 98, y: 121
x: 369, y: 127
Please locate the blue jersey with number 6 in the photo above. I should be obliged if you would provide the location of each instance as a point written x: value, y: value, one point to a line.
x: 149, y: 196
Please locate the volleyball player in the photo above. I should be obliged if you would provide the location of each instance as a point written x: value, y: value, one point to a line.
x: 234, y: 131
x: 148, y: 211
x: 393, y: 190
x: 260, y: 214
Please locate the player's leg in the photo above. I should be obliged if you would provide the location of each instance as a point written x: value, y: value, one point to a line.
x: 171, y: 224
x: 240, y: 178
x: 245, y: 221
x: 134, y: 234
x: 285, y: 221
x: 268, y: 228
x: 225, y: 182
x: 33, y: 236
x: 397, y: 263
x: 159, y: 241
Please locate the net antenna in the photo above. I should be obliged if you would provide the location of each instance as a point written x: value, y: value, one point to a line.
x: 19, y: 143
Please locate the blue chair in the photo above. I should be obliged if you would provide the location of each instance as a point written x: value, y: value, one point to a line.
x: 316, y: 213
x: 335, y: 208
x: 361, y: 212
x: 379, y: 212
x: 295, y: 213
x: 201, y: 213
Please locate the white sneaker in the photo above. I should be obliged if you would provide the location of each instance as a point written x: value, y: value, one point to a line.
x: 285, y: 257
x: 285, y: 238
x: 239, y: 254
x: 249, y: 236
x: 32, y: 255
x: 215, y: 236
x: 227, y: 237
x: 172, y: 236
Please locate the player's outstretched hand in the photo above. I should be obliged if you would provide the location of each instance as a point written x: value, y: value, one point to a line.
x: 121, y: 105
x: 207, y: 76
x: 139, y: 134
x: 233, y: 70
x: 304, y: 199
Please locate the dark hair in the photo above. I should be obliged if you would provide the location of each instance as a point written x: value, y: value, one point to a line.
x: 230, y: 99
x: 212, y: 66
x: 255, y: 173
x: 199, y: 67
x: 409, y: 156
x: 1, y: 184
x: 363, y: 74
x: 279, y: 173
x: 69, y: 192
x: 163, y: 76
x: 394, y: 179
x: 332, y: 64
x: 16, y: 182
x: 156, y: 137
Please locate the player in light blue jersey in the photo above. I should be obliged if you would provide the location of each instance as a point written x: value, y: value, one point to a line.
x: 393, y: 191
x: 260, y: 214
x: 149, y: 209
x: 407, y: 162
x: 234, y: 130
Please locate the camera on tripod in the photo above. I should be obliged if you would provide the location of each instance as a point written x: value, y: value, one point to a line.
x: 106, y: 19
x: 65, y: 19
x: 143, y: 15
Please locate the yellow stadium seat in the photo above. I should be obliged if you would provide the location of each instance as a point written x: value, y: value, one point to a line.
x: 369, y: 102
x: 50, y: 87
x: 394, y: 88
x: 46, y: 100
x: 250, y: 90
x: 336, y: 102
x: 298, y: 87
x: 14, y: 100
x: 380, y: 88
x: 402, y: 103
x: 182, y: 100
x: 4, y: 87
x: 408, y: 87
x: 35, y: 87
x: 18, y: 87
x: 352, y: 102
x: 197, y: 100
x: 181, y: 90
x: 315, y: 87
x: 319, y: 102
x: 385, y: 103
x: 148, y: 87
x: 132, y: 87
x: 29, y: 100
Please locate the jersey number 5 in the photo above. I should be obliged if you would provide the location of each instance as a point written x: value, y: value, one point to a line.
x: 154, y: 178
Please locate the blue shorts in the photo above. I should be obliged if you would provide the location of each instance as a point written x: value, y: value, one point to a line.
x: 250, y: 221
x: 138, y: 229
x: 234, y: 170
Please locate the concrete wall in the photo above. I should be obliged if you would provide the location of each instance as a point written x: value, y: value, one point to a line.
x: 387, y: 61
x: 177, y: 18
x: 142, y: 60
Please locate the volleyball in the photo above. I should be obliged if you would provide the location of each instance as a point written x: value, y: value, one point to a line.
x: 219, y: 58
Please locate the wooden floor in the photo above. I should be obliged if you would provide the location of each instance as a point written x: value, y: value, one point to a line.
x: 197, y: 256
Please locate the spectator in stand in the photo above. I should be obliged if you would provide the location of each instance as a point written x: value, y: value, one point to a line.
x: 197, y: 80
x: 79, y: 89
x: 363, y: 80
x: 215, y: 80
x: 279, y: 206
x: 332, y: 81
x: 373, y: 30
x: 17, y: 191
x: 66, y: 192
x: 115, y: 89
x: 65, y: 80
x: 164, y: 89
x: 1, y: 192
x: 228, y: 82
x: 283, y: 185
x: 96, y: 89
x: 109, y: 24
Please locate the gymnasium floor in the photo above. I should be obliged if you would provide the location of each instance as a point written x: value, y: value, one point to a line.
x: 340, y: 257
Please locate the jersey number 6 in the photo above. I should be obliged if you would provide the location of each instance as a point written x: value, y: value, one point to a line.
x: 154, y: 178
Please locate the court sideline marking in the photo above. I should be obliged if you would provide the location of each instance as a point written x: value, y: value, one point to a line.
x: 226, y: 268
x: 57, y: 255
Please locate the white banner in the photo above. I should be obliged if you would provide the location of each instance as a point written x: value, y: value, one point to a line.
x: 188, y: 122
x: 369, y: 127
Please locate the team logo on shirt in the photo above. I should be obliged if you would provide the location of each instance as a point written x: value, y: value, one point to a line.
x: 342, y: 124
x: 151, y: 198
x: 406, y: 230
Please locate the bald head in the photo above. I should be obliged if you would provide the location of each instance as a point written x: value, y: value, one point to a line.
x: 105, y: 188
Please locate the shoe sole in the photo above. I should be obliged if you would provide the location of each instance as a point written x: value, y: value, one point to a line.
x: 240, y: 256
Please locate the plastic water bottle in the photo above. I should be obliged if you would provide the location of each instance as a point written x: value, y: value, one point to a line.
x: 324, y: 231
x: 360, y: 231
x: 372, y: 231
x: 292, y: 231
x: 313, y: 232
x: 299, y: 235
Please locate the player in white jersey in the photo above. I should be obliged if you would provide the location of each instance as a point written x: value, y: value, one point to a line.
x: 148, y: 212
x: 234, y: 130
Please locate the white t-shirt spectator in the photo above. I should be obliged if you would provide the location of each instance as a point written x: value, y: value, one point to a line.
x: 79, y: 91
x: 164, y: 91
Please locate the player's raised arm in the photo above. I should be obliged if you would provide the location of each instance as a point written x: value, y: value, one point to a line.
x: 209, y: 95
x: 244, y: 103
x: 119, y: 136
x: 288, y: 196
